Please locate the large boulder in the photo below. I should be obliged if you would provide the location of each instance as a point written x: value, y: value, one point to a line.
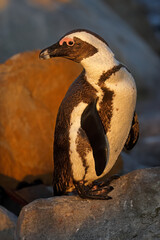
x: 7, y: 224
x: 133, y: 213
x: 30, y: 93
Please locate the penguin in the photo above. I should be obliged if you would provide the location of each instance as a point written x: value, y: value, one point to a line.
x: 96, y: 119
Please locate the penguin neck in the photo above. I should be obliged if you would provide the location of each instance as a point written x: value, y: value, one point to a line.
x: 97, y: 64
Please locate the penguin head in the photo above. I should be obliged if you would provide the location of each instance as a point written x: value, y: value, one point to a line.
x: 77, y: 45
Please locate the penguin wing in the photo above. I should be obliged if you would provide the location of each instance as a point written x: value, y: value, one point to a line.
x: 93, y: 127
x: 133, y: 134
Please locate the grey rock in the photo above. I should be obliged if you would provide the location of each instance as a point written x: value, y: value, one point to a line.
x: 133, y: 213
x: 31, y: 193
x: 128, y: 9
x: 7, y: 224
x: 146, y: 153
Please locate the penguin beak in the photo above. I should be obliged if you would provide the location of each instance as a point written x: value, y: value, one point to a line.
x: 53, y: 51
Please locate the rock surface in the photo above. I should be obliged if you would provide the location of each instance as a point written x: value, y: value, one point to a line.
x: 133, y: 213
x: 30, y: 93
x: 146, y: 153
x: 7, y: 224
x: 135, y: 14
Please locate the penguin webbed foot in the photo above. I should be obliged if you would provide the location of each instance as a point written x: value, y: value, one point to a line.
x: 95, y: 190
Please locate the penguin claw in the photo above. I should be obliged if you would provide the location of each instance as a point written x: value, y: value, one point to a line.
x: 109, y: 180
x: 95, y: 190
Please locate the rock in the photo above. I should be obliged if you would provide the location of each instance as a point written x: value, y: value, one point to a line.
x: 44, y: 22
x: 146, y: 153
x: 3, y: 4
x: 31, y: 193
x: 136, y: 15
x: 14, y: 200
x: 133, y: 213
x: 30, y: 93
x: 7, y: 224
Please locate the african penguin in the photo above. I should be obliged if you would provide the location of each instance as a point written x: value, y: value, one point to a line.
x: 96, y: 118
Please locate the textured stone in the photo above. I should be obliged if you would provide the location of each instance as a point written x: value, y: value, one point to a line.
x: 3, y: 4
x: 31, y: 193
x: 48, y: 4
x: 7, y: 224
x: 136, y: 15
x: 146, y: 153
x: 30, y: 93
x: 133, y: 213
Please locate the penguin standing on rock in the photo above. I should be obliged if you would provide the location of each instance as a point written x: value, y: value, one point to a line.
x: 96, y: 118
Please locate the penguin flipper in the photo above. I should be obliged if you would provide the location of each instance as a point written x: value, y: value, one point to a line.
x: 93, y: 127
x: 133, y: 134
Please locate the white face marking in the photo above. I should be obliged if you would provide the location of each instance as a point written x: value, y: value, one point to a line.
x: 89, y: 38
x: 75, y: 123
x: 101, y: 61
x: 95, y: 65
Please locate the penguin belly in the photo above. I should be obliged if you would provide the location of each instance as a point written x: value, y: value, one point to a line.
x: 80, y: 151
x: 124, y: 103
x: 123, y: 106
x: 79, y: 145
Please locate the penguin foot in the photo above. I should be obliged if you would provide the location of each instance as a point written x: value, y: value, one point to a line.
x: 95, y: 190
x: 107, y: 181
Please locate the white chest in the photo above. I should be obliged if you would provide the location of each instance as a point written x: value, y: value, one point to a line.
x: 123, y: 107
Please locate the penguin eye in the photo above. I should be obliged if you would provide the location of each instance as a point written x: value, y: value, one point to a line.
x: 70, y: 43
x: 66, y: 40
